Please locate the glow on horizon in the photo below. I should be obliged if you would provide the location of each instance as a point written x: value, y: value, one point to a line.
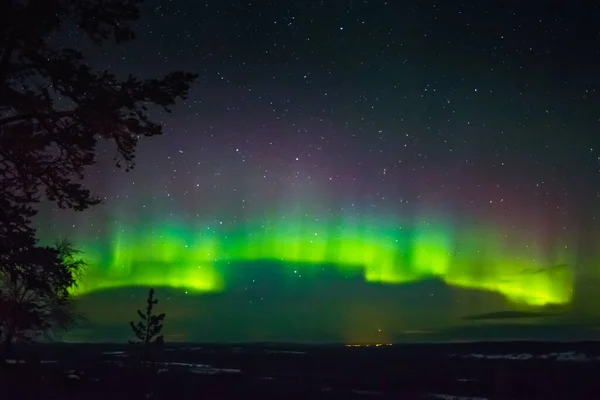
x: 189, y: 259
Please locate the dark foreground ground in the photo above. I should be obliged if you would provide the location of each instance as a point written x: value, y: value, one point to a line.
x: 451, y: 371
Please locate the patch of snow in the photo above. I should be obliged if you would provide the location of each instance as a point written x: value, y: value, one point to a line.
x: 571, y: 356
x: 548, y: 356
x: 201, y: 368
x: 466, y: 380
x: 230, y: 370
x: 181, y: 364
x: 524, y: 356
x: 213, y: 371
x: 71, y: 374
x: 113, y: 353
x: 474, y: 356
x: 265, y: 378
x: 13, y: 361
x: 162, y: 370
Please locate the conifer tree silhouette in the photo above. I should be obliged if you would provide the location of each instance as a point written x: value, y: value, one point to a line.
x: 148, y: 331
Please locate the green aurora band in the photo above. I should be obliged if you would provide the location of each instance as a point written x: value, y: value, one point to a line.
x: 190, y: 259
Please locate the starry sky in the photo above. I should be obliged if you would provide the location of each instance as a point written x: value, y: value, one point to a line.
x: 353, y: 171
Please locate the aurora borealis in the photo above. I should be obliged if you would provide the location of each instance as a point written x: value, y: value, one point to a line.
x: 353, y: 171
x: 192, y: 260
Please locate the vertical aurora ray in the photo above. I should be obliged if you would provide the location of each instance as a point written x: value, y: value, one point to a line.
x: 387, y: 253
x: 432, y: 250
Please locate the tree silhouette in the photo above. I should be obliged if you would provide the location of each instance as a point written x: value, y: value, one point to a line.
x: 148, y: 330
x: 54, y: 108
x: 35, y: 295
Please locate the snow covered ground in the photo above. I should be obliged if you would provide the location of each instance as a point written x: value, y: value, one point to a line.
x: 193, y: 368
x: 570, y: 356
x: 201, y: 368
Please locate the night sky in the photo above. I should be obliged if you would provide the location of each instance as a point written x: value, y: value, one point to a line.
x: 353, y: 171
